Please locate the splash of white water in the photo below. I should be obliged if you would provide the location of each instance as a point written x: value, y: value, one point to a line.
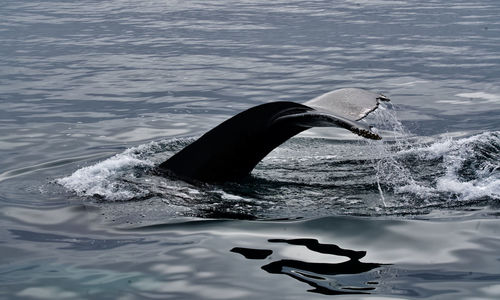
x: 102, y: 179
x: 398, y: 164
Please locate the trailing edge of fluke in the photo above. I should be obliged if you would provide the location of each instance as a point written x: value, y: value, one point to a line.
x: 232, y: 149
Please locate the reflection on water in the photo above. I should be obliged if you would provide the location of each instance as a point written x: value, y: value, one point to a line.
x: 192, y: 258
x: 73, y: 243
x: 321, y: 276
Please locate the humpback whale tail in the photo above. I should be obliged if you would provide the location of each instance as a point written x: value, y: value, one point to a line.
x: 232, y: 149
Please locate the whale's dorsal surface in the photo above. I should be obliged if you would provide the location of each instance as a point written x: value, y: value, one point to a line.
x: 232, y: 149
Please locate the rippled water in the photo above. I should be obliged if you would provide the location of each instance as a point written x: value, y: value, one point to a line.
x: 95, y: 94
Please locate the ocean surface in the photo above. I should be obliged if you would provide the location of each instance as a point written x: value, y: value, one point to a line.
x: 95, y: 94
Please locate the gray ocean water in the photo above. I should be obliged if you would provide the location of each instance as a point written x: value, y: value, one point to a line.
x: 95, y: 94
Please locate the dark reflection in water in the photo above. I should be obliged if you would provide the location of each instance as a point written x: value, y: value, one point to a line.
x: 252, y: 253
x: 318, y: 275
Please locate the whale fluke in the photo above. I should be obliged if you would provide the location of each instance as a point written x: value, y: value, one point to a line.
x: 232, y: 149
